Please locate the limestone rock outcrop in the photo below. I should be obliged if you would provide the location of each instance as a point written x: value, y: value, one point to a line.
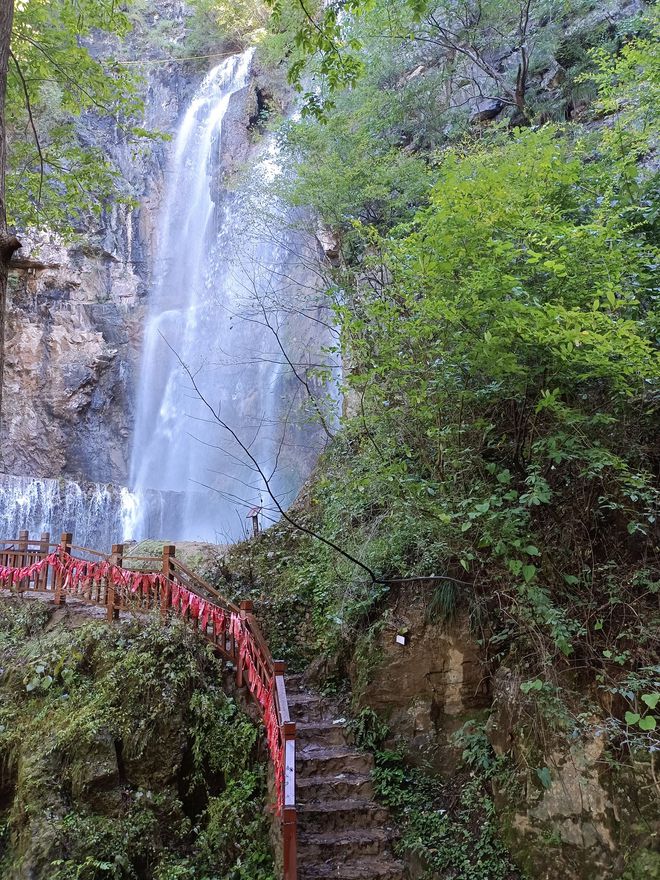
x: 73, y: 333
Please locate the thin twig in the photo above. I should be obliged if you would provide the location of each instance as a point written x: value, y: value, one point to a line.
x: 28, y: 107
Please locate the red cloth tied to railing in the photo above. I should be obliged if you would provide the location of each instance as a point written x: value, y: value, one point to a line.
x: 219, y: 620
x: 12, y: 575
x: 275, y: 745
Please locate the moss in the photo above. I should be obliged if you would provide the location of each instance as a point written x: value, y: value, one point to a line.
x: 645, y: 866
x: 120, y: 750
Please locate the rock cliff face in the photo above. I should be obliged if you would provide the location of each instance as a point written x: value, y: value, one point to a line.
x: 73, y: 327
x: 571, y: 812
x: 73, y: 333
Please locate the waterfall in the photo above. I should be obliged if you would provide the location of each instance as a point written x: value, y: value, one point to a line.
x: 92, y: 512
x: 218, y: 273
x: 95, y: 513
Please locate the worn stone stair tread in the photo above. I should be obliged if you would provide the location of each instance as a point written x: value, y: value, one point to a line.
x: 346, y: 836
x: 339, y: 806
x: 343, y: 832
x: 313, y: 726
x: 313, y: 760
x: 303, y: 697
x: 311, y: 750
x: 295, y: 679
x: 334, y: 786
x: 333, y: 779
x: 366, y: 868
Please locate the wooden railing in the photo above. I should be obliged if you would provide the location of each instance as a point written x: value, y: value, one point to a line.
x: 123, y: 582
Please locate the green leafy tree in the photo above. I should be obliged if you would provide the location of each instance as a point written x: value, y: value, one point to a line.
x: 55, y: 176
x: 461, y: 37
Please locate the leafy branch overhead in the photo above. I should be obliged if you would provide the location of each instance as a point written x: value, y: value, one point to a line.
x: 492, y: 45
x: 64, y: 91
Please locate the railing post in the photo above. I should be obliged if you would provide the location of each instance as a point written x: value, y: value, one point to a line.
x: 22, y: 559
x: 42, y: 578
x: 64, y: 549
x: 246, y: 607
x: 113, y: 601
x: 169, y: 553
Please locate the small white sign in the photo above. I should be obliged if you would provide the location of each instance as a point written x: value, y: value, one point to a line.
x: 401, y: 640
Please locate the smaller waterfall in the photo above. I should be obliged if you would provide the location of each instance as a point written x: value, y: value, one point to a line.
x: 95, y: 514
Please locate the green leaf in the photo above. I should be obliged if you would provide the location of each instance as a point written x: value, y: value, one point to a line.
x: 544, y: 776
x: 528, y: 572
x: 651, y: 700
x: 647, y: 723
x: 527, y: 686
x: 531, y: 550
x: 631, y: 717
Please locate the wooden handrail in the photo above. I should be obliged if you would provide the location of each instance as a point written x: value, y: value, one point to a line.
x: 170, y: 586
x: 30, y: 543
x: 89, y: 552
x: 155, y: 559
x: 201, y: 584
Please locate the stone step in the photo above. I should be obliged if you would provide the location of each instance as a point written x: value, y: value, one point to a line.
x: 295, y: 683
x: 342, y: 847
x: 327, y: 733
x: 337, y: 787
x: 332, y: 760
x: 305, y: 707
x: 367, y: 868
x: 341, y: 815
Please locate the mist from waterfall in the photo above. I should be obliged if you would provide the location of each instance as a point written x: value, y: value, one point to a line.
x: 218, y: 275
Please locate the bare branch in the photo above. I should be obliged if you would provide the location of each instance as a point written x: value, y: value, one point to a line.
x: 28, y: 107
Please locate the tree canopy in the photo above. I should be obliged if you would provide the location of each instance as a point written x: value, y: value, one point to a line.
x: 62, y: 70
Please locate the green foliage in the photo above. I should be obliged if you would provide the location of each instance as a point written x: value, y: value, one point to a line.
x: 368, y: 730
x: 56, y: 87
x: 501, y: 391
x: 451, y: 828
x: 20, y: 622
x: 330, y: 47
x: 349, y: 170
x: 628, y: 81
x: 498, y: 370
x: 214, y: 23
x: 639, y: 690
x: 477, y: 751
x: 645, y: 866
x: 187, y: 796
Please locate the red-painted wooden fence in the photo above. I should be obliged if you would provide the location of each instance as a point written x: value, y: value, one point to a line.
x: 145, y: 583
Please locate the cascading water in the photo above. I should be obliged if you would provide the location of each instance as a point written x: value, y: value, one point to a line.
x: 92, y: 512
x: 209, y: 335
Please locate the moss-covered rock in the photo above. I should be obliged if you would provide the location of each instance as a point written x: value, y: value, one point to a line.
x: 121, y: 754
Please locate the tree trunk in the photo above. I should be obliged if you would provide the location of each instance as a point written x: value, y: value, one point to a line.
x: 8, y: 243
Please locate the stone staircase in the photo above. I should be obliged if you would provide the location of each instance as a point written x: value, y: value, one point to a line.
x: 342, y: 833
